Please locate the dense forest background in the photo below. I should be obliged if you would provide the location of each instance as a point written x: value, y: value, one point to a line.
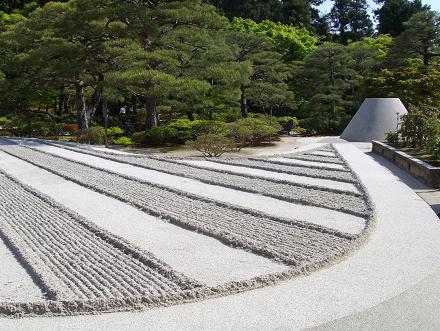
x: 166, y: 70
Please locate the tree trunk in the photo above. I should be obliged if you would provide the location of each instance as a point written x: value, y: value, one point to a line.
x: 151, y: 120
x: 29, y: 123
x: 243, y: 102
x: 80, y: 106
x: 63, y: 100
x: 134, y: 103
x: 190, y: 116
x: 85, y: 112
x: 426, y: 57
x: 105, y: 119
x: 96, y: 99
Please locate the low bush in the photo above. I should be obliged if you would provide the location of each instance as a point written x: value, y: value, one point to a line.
x: 213, y: 145
x: 123, y: 141
x: 137, y: 137
x: 94, y: 135
x: 159, y: 136
x: 114, y: 131
x: 252, y: 131
x: 433, y: 146
x: 5, y: 123
x: 227, y: 116
x: 209, y: 127
x: 183, y: 128
x: 40, y: 128
x: 392, y: 137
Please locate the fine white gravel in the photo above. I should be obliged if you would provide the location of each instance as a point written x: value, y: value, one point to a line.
x: 402, y: 251
x: 290, y: 161
x: 319, y: 182
x: 234, y: 226
x: 333, y: 198
x: 333, y: 219
x: 323, y: 153
x: 15, y: 283
x: 200, y: 257
x: 106, y: 280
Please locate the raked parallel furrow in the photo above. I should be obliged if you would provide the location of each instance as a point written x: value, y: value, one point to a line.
x: 71, y: 258
x: 294, y: 243
x: 292, y: 169
x: 345, y: 201
x: 314, y: 158
x: 323, y: 154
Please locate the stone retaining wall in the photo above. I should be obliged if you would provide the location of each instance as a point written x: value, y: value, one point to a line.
x: 423, y: 171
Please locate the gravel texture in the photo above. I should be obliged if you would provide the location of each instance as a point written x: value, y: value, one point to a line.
x: 229, y: 224
x: 334, y: 219
x: 74, y: 260
x: 316, y: 182
x: 323, y: 154
x: 293, y: 169
x: 15, y: 283
x: 346, y: 201
x: 198, y: 256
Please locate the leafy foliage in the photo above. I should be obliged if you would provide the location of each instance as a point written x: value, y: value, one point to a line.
x: 212, y: 145
x: 393, y: 14
x: 351, y: 19
x: 292, y: 42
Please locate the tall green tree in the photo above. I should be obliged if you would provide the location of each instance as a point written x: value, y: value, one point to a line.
x: 351, y: 19
x: 183, y: 61
x: 420, y: 39
x: 257, y: 10
x: 266, y: 86
x: 327, y: 80
x: 392, y: 14
x: 302, y: 13
x: 292, y: 42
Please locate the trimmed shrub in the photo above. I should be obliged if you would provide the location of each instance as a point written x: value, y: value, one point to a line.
x: 114, y: 131
x: 392, y: 137
x: 159, y: 136
x: 252, y: 131
x: 123, y: 141
x: 5, y: 123
x: 209, y: 127
x: 184, y: 129
x: 94, y: 135
x: 212, y: 145
x: 227, y: 116
x: 137, y: 137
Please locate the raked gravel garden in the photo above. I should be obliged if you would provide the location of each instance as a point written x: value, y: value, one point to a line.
x: 86, y: 231
x: 80, y: 267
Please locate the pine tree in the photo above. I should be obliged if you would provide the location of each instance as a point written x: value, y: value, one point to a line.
x: 421, y: 38
x: 328, y: 79
x: 393, y: 13
x: 351, y: 19
x: 266, y: 85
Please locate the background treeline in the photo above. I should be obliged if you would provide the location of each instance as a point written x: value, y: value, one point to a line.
x: 169, y: 71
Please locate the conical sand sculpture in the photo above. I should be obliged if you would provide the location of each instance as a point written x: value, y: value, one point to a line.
x: 374, y: 119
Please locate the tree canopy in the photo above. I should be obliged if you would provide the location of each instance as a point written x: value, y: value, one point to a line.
x: 72, y: 60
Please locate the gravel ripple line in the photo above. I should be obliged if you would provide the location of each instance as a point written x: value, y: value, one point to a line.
x: 212, y: 176
x: 334, y: 199
x: 55, y: 308
x: 230, y: 224
x: 72, y: 257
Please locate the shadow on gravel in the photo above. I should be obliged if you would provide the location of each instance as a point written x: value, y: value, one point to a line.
x: 403, y: 176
